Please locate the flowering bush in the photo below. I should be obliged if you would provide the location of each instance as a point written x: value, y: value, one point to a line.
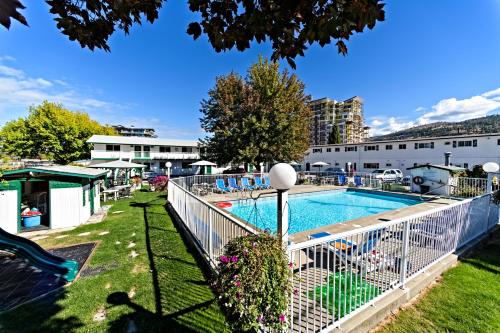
x: 254, y: 283
x: 159, y: 183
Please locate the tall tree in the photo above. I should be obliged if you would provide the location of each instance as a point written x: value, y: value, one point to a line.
x: 51, y: 131
x: 289, y: 25
x: 334, y: 136
x: 261, y: 118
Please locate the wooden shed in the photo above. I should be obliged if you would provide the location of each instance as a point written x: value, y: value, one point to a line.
x: 66, y: 196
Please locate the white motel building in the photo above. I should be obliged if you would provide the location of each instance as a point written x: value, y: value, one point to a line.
x: 466, y: 151
x: 152, y: 152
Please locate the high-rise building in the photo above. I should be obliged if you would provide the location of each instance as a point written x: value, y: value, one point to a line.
x: 347, y: 115
x: 135, y: 131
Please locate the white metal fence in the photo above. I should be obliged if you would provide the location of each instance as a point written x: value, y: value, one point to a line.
x: 338, y: 275
x: 466, y: 187
x: 211, y: 228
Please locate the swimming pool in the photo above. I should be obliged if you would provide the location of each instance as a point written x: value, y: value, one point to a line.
x: 317, y: 209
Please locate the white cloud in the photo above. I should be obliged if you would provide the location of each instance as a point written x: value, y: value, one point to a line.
x: 449, y: 109
x: 18, y: 91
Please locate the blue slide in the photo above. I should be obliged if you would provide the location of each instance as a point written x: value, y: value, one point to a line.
x: 37, y: 256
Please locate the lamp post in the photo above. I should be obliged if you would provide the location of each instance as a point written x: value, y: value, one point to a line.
x: 490, y: 168
x: 282, y: 177
x: 168, y: 165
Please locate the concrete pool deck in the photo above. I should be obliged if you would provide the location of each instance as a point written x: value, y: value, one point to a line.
x: 345, y: 226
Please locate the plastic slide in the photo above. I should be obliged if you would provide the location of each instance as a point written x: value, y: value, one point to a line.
x: 37, y: 256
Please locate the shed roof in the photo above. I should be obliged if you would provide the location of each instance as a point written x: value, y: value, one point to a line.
x: 135, y: 140
x: 450, y: 168
x: 61, y: 170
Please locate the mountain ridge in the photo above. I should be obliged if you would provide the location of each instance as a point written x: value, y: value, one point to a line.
x: 482, y: 125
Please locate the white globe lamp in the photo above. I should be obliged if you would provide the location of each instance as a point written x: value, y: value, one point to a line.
x: 490, y: 168
x: 168, y: 165
x: 282, y: 177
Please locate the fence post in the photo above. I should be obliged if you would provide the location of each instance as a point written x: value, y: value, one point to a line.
x: 403, y: 268
x: 210, y: 228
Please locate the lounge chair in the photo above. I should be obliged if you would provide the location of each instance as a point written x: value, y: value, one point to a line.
x: 233, y: 184
x: 358, y: 181
x: 221, y: 186
x: 363, y: 255
x: 267, y: 181
x: 342, y: 180
x: 260, y: 184
x: 246, y: 184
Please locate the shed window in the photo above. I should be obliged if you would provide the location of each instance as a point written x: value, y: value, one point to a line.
x: 328, y: 150
x: 402, y: 146
x: 388, y: 147
x: 112, y: 147
x: 164, y: 149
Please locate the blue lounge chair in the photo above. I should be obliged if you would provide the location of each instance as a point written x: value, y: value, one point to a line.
x: 267, y: 181
x: 260, y: 184
x: 221, y: 186
x: 359, y: 255
x: 246, y: 184
x: 233, y: 184
x: 357, y: 181
x: 342, y: 180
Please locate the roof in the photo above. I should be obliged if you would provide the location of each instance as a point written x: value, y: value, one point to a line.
x: 62, y: 170
x: 139, y: 140
x: 118, y: 164
x: 450, y: 168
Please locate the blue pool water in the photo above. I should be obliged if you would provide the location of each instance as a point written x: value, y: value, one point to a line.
x: 313, y: 210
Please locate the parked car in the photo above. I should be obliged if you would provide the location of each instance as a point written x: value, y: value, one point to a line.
x: 389, y: 175
x: 334, y: 171
x: 234, y: 171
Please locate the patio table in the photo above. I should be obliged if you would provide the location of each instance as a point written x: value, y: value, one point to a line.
x: 112, y: 190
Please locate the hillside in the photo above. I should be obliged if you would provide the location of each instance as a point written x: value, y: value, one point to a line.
x: 484, y: 125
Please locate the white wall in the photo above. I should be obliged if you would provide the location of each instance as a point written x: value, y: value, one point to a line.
x: 85, y: 210
x: 9, y: 211
x: 65, y: 207
x: 487, y: 150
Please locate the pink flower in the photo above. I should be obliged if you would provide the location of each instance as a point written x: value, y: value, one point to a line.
x: 260, y: 318
x: 224, y: 259
x: 290, y: 264
x: 295, y: 292
x: 237, y: 283
x: 234, y: 259
x: 282, y: 318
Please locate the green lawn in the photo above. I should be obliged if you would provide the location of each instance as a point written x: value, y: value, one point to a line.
x: 466, y: 300
x: 162, y: 289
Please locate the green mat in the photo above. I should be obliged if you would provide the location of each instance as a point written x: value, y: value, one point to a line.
x: 345, y: 291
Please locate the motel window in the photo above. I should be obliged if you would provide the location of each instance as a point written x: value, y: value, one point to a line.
x: 388, y: 164
x: 336, y: 164
x: 402, y: 146
x: 187, y: 149
x: 164, y: 149
x: 414, y: 164
x: 388, y: 147
x: 447, y: 143
x: 137, y: 148
x: 424, y: 145
x: 186, y: 165
x: 371, y: 148
x: 147, y: 148
x: 351, y: 148
x: 498, y: 142
x: 466, y: 165
x: 371, y: 165
x: 112, y: 147
x: 328, y: 150
x: 466, y: 143
x: 337, y: 149
x: 317, y: 150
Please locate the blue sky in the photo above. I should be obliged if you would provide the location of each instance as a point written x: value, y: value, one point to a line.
x: 429, y: 61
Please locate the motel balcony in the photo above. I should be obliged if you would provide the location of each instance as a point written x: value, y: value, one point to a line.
x: 144, y: 155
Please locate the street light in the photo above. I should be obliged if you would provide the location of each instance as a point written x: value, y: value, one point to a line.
x: 282, y: 177
x: 168, y: 165
x: 490, y: 168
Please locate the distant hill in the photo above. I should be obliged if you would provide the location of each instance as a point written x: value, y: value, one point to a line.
x: 484, y: 125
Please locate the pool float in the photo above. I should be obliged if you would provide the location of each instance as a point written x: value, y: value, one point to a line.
x: 224, y: 204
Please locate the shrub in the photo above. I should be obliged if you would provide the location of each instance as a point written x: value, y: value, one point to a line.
x: 254, y: 283
x: 496, y: 197
x: 159, y: 183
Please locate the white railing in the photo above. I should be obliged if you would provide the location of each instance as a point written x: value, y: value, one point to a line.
x: 467, y: 187
x: 339, y: 275
x: 210, y: 227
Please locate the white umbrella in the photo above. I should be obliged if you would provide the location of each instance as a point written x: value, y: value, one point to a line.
x: 203, y: 163
x: 319, y: 164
